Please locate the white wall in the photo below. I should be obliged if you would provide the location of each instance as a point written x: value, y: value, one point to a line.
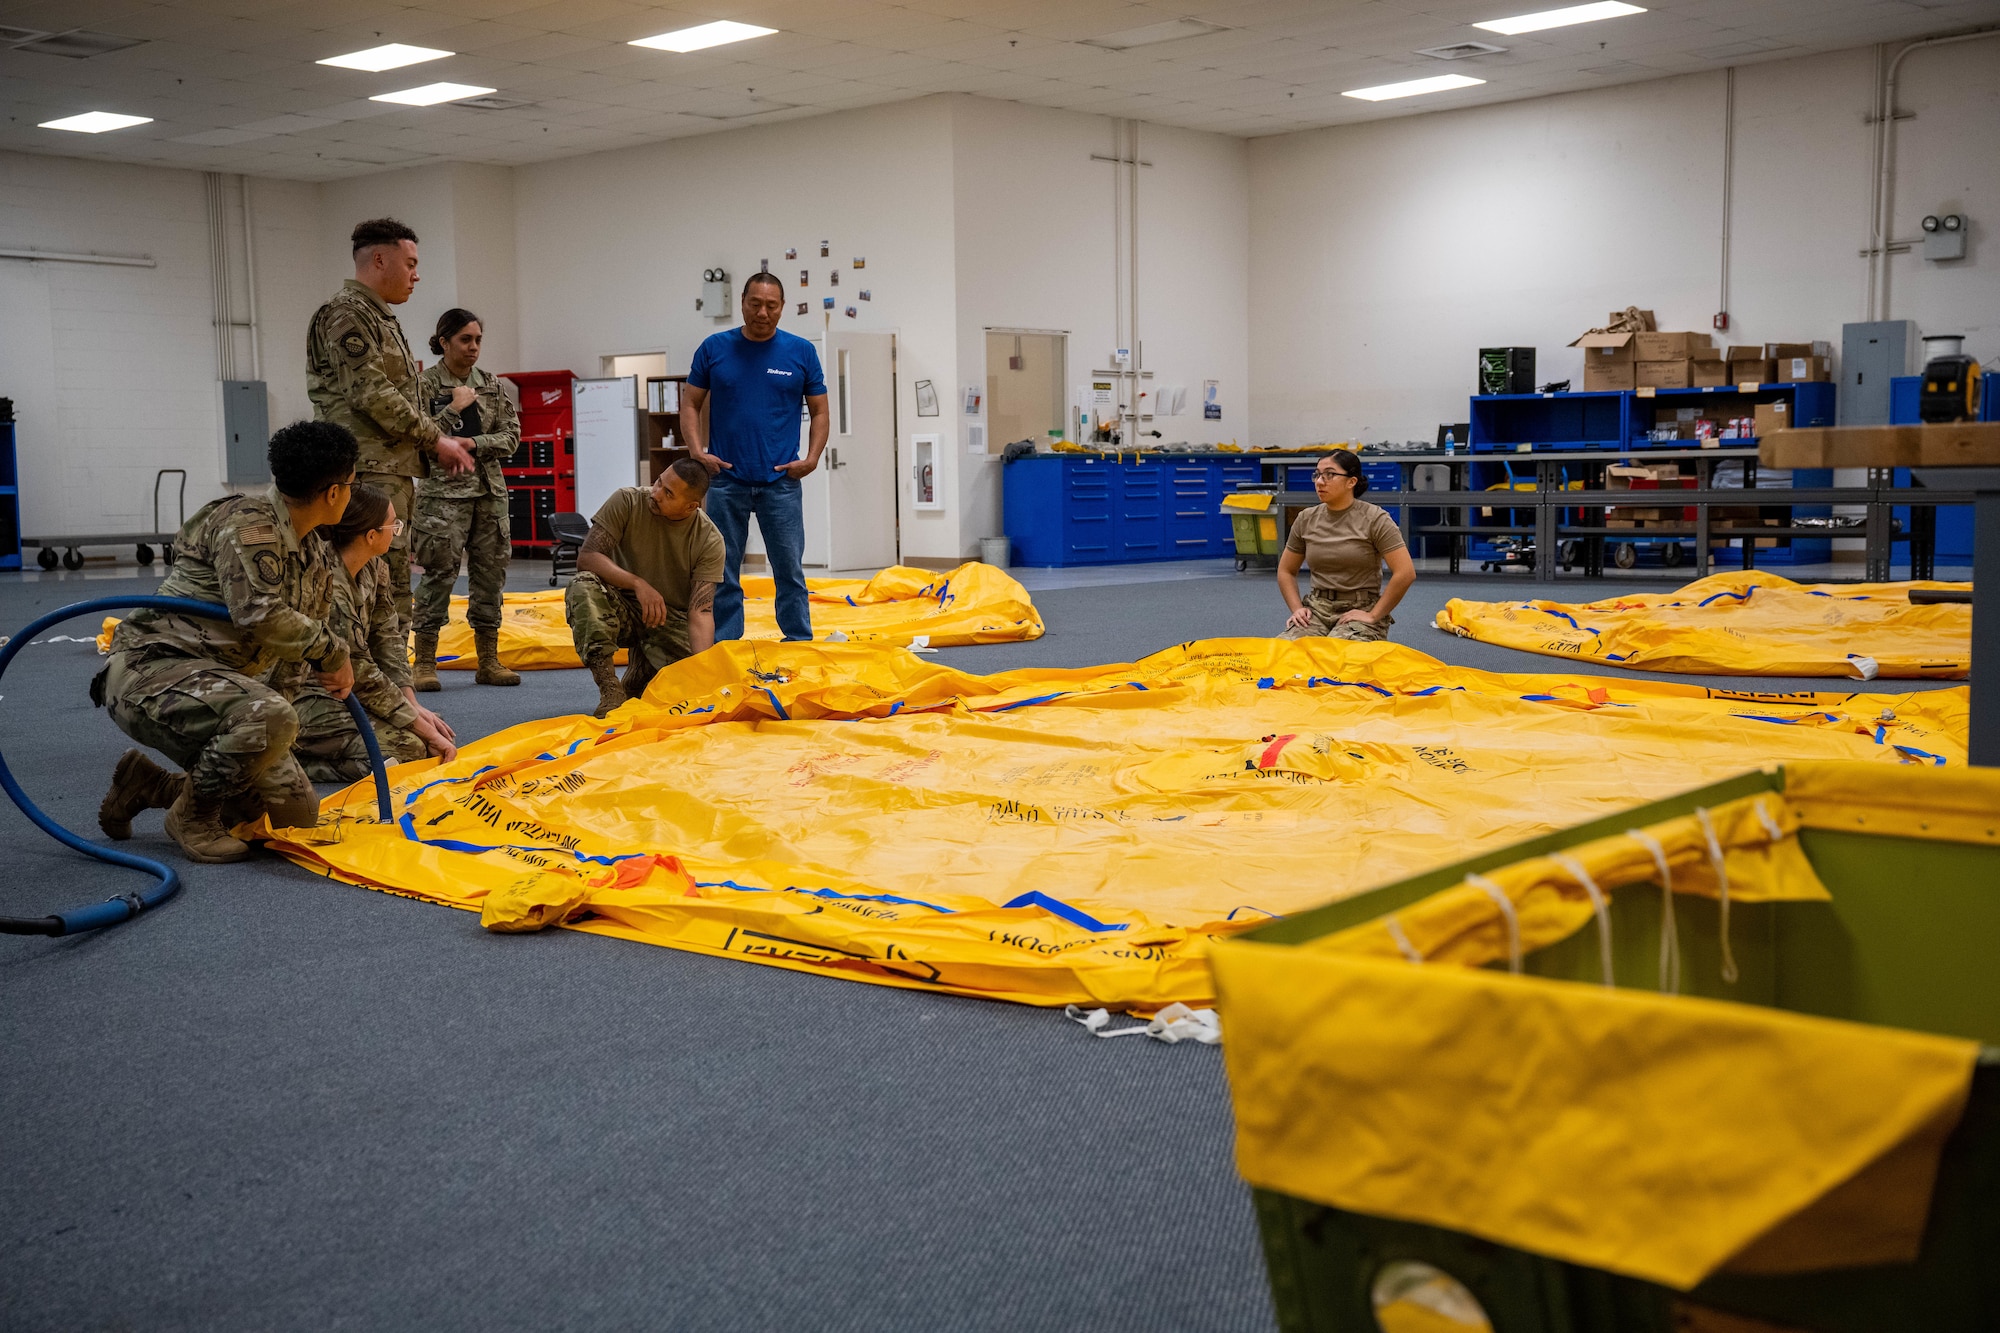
x: 1382, y: 256
x: 1035, y: 221
x: 112, y: 370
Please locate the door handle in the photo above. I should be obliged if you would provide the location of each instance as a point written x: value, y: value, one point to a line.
x: 833, y: 457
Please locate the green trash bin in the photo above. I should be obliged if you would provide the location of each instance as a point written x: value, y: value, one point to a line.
x: 1257, y: 539
x: 1908, y: 938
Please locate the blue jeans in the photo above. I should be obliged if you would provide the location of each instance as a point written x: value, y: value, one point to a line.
x: 781, y: 518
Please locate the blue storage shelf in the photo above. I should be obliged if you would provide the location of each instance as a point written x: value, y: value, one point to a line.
x: 10, y: 500
x: 1069, y: 510
x: 1953, y: 545
x: 1501, y: 423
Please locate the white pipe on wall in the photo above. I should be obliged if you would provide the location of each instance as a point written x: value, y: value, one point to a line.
x: 250, y: 281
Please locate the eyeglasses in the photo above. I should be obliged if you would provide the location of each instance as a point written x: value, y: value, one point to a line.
x: 1328, y: 474
x: 394, y: 528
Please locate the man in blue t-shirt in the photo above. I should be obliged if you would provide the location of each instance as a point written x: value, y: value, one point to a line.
x: 751, y: 380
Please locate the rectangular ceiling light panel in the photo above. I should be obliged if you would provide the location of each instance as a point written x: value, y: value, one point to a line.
x: 1559, y: 18
x: 1173, y: 30
x: 376, y: 59
x: 700, y: 39
x: 95, y: 122
x: 433, y: 93
x: 1414, y: 88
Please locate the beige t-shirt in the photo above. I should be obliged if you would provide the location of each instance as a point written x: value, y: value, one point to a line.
x: 672, y: 556
x: 1344, y: 549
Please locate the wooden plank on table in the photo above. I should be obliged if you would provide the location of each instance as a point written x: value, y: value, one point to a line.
x: 1944, y: 444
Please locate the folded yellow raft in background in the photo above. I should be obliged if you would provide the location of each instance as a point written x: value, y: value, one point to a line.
x: 1740, y: 624
x: 975, y: 603
x: 1048, y: 836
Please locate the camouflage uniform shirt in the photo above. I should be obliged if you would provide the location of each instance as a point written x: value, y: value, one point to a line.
x: 359, y: 372
x: 242, y: 552
x: 364, y: 614
x: 492, y: 423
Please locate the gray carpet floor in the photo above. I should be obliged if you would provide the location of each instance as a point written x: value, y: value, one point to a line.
x: 283, y: 1103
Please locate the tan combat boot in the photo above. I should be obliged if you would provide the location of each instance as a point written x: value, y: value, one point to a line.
x: 196, y: 824
x: 610, y: 694
x: 424, y: 671
x: 136, y: 784
x: 637, y: 672
x: 487, y: 644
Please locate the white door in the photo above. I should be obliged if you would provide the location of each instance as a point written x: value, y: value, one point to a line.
x: 860, y: 460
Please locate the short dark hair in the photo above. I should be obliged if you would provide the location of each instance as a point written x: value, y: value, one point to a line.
x: 1350, y: 463
x: 691, y: 472
x: 449, y: 323
x: 765, y: 276
x: 308, y: 456
x: 380, y: 231
x: 366, y: 508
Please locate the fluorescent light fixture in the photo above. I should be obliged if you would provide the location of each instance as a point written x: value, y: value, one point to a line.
x: 1559, y: 18
x: 720, y: 33
x: 376, y: 59
x: 1414, y: 88
x: 433, y: 93
x: 95, y: 122
x: 1173, y: 30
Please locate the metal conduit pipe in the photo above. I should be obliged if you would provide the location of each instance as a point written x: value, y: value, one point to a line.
x: 1883, y: 193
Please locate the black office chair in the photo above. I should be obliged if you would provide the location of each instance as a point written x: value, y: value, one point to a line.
x: 566, y: 532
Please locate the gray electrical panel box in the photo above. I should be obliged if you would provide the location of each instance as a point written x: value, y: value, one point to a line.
x: 1870, y: 356
x: 246, y: 433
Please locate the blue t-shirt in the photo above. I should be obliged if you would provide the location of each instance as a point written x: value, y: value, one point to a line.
x: 755, y: 391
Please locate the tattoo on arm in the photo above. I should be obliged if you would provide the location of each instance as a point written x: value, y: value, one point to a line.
x: 600, y: 542
x: 702, y: 598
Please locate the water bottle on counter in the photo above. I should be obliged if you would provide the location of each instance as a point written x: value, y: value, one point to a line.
x: 1450, y: 445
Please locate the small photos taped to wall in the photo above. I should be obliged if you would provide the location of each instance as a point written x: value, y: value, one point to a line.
x: 791, y: 252
x: 825, y: 249
x: 805, y: 277
x: 866, y: 295
x: 833, y: 278
x: 827, y: 303
x: 804, y: 306
x: 851, y: 312
x: 860, y: 262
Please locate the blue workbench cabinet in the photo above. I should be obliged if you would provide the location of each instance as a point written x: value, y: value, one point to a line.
x: 1079, y: 510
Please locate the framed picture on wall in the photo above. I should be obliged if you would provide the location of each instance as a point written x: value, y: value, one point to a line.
x: 927, y: 400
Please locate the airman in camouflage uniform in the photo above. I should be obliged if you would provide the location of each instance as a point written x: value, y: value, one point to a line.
x: 463, y: 515
x: 329, y: 745
x: 359, y: 373
x: 189, y: 686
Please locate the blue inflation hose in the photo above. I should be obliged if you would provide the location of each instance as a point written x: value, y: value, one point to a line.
x: 95, y: 916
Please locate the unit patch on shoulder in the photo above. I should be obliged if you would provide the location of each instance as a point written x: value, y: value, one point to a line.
x: 354, y: 345
x: 268, y: 568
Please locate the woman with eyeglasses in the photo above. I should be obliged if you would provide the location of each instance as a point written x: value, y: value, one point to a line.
x: 329, y: 745
x: 1345, y: 541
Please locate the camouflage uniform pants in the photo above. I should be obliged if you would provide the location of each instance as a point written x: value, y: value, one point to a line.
x: 329, y: 745
x: 443, y: 533
x: 1326, y: 608
x: 232, y: 734
x: 603, y: 619
x: 402, y: 493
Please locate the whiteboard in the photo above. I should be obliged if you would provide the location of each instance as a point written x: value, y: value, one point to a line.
x: 606, y: 417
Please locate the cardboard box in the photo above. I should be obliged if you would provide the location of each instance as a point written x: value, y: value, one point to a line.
x: 1602, y: 377
x: 1710, y: 373
x: 1668, y: 346
x: 1786, y: 351
x: 1603, y: 349
x: 1645, y: 318
x: 1663, y: 374
x: 1802, y: 370
x: 1754, y: 353
x: 1645, y: 476
x: 1772, y: 417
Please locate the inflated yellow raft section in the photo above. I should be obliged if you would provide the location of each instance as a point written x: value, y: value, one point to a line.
x: 975, y: 603
x: 1740, y: 624
x: 1048, y: 836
